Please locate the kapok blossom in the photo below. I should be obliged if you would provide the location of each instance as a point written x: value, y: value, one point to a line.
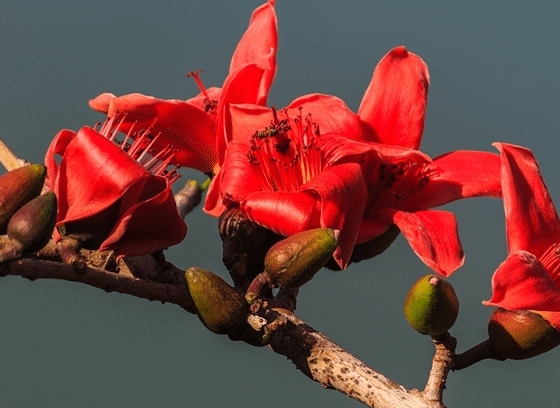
x: 190, y: 125
x: 317, y: 164
x: 397, y: 92
x: 529, y: 278
x: 114, y: 194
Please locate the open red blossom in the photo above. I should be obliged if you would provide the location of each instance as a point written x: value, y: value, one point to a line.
x: 402, y: 193
x: 317, y: 164
x: 529, y: 278
x: 114, y: 196
x: 397, y: 92
x: 190, y: 126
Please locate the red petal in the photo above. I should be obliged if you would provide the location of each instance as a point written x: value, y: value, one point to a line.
x: 189, y: 129
x: 285, y: 213
x: 522, y: 283
x: 394, y: 104
x: 241, y: 87
x: 260, y: 40
x: 213, y: 203
x: 331, y: 114
x: 148, y: 225
x: 459, y: 174
x: 343, y: 193
x: 237, y: 177
x: 89, y: 157
x: 532, y: 223
x: 101, y: 102
x: 433, y: 236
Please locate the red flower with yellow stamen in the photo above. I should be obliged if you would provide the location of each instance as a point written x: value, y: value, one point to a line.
x: 529, y: 279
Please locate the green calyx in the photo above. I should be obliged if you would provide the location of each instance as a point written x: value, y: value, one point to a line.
x: 220, y: 308
x: 32, y: 225
x: 295, y: 260
x: 520, y: 334
x: 17, y: 187
x: 431, y: 306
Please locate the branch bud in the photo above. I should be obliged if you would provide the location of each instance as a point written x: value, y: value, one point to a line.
x: 17, y: 187
x: 32, y: 225
x: 293, y: 261
x: 431, y: 306
x: 520, y: 334
x: 220, y: 308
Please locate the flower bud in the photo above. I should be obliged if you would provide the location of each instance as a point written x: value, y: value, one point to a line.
x: 17, y: 187
x: 295, y: 260
x: 520, y: 334
x: 431, y: 306
x: 220, y: 308
x: 32, y: 225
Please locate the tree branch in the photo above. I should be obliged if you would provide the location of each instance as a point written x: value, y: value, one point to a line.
x: 313, y: 353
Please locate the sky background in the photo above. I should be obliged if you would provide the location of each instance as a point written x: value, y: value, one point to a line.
x: 494, y: 77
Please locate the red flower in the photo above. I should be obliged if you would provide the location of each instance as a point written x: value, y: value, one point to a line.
x: 317, y: 164
x: 107, y: 198
x: 529, y: 278
x: 190, y: 125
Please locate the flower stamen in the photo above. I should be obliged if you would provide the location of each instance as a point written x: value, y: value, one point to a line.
x: 140, y: 144
x: 210, y: 105
x: 284, y: 153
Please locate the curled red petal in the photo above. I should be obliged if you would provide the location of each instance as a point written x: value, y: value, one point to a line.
x: 101, y: 102
x: 285, y: 213
x: 394, y: 104
x: 460, y: 174
x: 148, y: 225
x: 259, y: 41
x: 433, y: 236
x: 184, y: 126
x: 522, y: 283
x: 89, y: 156
x: 532, y: 222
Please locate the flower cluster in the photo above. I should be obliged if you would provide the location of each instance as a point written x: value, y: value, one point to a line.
x: 312, y: 164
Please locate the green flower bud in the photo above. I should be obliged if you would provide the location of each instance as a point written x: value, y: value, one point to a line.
x: 17, y: 187
x: 520, y: 334
x: 295, y: 260
x: 431, y: 305
x: 32, y: 225
x: 220, y: 308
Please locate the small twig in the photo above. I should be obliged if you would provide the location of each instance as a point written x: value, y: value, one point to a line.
x: 441, y: 365
x: 474, y: 355
x: 8, y: 159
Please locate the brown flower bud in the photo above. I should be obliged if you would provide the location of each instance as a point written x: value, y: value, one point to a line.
x: 431, y: 306
x: 32, y: 225
x: 220, y: 308
x: 295, y: 260
x: 520, y: 334
x: 17, y: 187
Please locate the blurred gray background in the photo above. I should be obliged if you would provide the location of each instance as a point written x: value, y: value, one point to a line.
x: 494, y: 77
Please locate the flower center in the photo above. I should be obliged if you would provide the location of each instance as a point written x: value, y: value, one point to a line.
x: 285, y: 154
x: 551, y: 261
x: 210, y: 105
x: 398, y: 183
x: 139, y: 144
